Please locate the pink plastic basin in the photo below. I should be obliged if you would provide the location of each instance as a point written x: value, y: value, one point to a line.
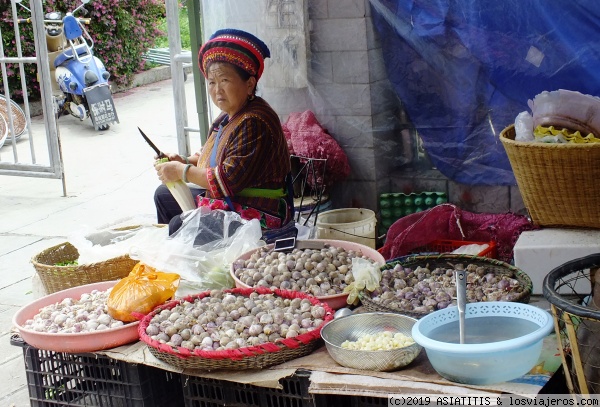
x: 336, y: 301
x: 73, y: 343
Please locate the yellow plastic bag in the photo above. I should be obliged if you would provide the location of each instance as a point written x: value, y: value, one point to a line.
x: 142, y: 290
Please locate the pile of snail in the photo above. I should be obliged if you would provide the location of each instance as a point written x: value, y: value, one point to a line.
x: 317, y: 272
x: 230, y: 321
x: 87, y: 314
x: 423, y: 290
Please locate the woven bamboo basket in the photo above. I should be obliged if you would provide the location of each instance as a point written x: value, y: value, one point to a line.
x: 447, y: 260
x: 57, y: 278
x: 558, y: 182
x: 18, y: 116
x: 568, y: 289
x: 252, y: 357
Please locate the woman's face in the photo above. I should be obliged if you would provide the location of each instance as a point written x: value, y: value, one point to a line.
x: 227, y: 89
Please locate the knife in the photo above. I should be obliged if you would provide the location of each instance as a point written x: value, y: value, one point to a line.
x: 159, y: 153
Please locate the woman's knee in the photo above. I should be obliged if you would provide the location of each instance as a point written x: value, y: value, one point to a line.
x: 160, y: 193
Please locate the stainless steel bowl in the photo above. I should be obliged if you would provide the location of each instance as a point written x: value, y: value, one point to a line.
x: 353, y: 327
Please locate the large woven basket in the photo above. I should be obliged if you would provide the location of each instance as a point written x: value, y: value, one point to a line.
x: 252, y: 357
x: 577, y: 325
x: 558, y: 182
x: 446, y: 260
x: 57, y: 278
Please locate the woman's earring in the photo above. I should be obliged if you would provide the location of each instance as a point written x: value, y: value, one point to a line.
x: 251, y: 97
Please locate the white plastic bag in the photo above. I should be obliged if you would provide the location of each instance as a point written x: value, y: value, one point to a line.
x: 524, y: 127
x: 367, y: 276
x: 202, y: 250
x: 100, y: 245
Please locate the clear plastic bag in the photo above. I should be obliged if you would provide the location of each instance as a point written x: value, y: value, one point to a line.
x: 524, y: 127
x: 100, y: 245
x: 202, y: 249
x: 366, y: 277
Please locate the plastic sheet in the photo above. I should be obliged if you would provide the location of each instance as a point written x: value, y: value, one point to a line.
x: 302, y: 75
x: 454, y: 72
x: 464, y: 69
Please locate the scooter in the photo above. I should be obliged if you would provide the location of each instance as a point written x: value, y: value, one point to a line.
x: 81, y: 86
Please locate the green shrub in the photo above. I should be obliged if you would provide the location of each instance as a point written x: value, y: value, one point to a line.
x: 184, y: 30
x: 122, y: 30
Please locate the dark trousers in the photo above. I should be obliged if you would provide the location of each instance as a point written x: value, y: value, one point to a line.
x: 166, y: 206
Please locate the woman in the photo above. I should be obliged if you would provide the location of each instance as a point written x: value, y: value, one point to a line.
x: 245, y: 161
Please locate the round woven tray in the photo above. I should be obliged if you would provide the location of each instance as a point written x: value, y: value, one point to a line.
x: 445, y: 260
x: 18, y: 115
x: 252, y: 357
x: 57, y: 278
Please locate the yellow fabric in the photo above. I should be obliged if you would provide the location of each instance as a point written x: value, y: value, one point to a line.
x: 570, y: 136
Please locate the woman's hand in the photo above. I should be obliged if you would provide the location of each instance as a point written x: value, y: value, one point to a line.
x: 173, y: 157
x: 169, y: 171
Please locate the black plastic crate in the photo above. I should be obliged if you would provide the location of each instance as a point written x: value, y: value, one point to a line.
x: 204, y: 392
x: 87, y: 379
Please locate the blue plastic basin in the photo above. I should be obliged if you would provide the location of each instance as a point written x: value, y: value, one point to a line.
x: 491, y: 360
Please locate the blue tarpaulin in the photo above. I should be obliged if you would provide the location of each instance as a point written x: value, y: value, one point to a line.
x: 464, y: 69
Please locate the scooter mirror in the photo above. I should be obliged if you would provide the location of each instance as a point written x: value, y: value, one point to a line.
x: 17, y: 1
x: 83, y: 1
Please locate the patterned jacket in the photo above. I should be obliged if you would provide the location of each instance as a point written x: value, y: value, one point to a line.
x: 252, y: 152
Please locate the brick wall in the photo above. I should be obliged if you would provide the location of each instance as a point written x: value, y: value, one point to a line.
x: 352, y: 98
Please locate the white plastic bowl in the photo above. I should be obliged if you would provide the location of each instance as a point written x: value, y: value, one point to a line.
x: 489, y: 362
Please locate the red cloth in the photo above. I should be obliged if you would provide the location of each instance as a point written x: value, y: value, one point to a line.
x: 447, y: 221
x: 306, y: 138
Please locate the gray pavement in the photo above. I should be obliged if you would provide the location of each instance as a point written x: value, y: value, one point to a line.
x: 110, y: 181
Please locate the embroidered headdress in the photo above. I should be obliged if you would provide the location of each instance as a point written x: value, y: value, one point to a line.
x: 236, y: 47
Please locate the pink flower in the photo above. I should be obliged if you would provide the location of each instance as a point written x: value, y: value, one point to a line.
x: 202, y: 201
x: 272, y: 222
x: 250, y: 213
x: 218, y: 204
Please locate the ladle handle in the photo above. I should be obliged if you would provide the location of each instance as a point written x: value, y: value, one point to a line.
x: 461, y: 301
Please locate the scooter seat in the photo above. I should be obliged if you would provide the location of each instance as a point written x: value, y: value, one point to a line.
x: 72, y: 28
x: 68, y: 54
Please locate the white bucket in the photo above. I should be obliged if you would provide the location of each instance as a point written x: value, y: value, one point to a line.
x: 350, y: 224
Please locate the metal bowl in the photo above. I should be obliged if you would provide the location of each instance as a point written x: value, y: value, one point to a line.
x: 352, y: 327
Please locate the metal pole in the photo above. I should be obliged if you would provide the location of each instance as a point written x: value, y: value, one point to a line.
x: 177, y: 77
x: 48, y: 105
x: 195, y: 19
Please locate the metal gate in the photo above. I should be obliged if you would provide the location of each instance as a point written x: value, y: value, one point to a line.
x: 17, y: 153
